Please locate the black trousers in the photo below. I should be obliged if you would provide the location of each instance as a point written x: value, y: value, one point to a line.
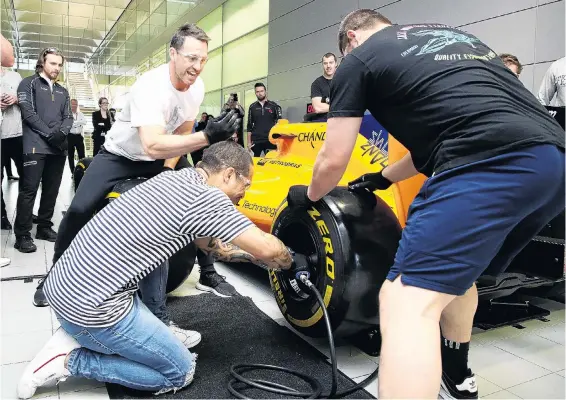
x: 12, y: 149
x: 105, y: 171
x: 97, y: 143
x: 262, y: 146
x: 46, y: 169
x: 75, y: 142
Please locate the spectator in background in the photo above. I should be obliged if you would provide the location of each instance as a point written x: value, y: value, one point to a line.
x: 196, y: 156
x: 7, y: 60
x: 512, y: 62
x: 233, y: 104
x: 10, y: 131
x: 76, y: 140
x: 262, y: 116
x: 320, y: 88
x: 102, y: 122
x: 554, y: 83
x: 46, y: 122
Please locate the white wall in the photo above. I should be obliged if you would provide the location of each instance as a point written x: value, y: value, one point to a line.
x: 301, y: 31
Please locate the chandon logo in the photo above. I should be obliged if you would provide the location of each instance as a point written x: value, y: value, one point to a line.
x: 312, y: 137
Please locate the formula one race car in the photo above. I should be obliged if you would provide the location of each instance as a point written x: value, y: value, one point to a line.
x: 352, y: 238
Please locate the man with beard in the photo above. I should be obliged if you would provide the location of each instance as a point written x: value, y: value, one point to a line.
x: 262, y: 115
x: 150, y: 135
x: 320, y: 88
x: 46, y: 122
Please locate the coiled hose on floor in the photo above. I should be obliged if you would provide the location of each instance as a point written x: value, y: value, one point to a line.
x: 237, y: 370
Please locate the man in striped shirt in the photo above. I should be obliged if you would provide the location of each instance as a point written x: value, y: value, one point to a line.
x: 107, y: 333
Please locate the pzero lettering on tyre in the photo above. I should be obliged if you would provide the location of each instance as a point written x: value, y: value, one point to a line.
x: 181, y: 263
x: 355, y: 245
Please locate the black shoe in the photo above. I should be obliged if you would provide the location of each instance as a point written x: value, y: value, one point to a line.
x: 46, y: 234
x: 39, y: 299
x: 214, y: 283
x: 6, y: 225
x: 34, y: 218
x: 466, y: 389
x: 25, y: 244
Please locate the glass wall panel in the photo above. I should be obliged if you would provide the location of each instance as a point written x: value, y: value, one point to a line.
x: 212, y: 72
x: 212, y: 103
x: 245, y: 59
x: 243, y: 16
x: 212, y: 25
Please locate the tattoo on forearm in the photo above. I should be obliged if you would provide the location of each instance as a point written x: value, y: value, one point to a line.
x: 283, y: 258
x: 231, y: 253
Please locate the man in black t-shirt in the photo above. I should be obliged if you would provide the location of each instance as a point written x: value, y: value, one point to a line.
x: 494, y: 159
x: 320, y: 88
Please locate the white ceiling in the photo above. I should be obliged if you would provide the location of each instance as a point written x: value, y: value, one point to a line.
x: 77, y: 27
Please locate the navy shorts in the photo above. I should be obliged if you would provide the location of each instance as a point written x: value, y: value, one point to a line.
x: 479, y: 215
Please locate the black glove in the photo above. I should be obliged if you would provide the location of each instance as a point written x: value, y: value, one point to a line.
x: 370, y: 182
x: 222, y: 127
x: 58, y: 140
x: 300, y: 266
x: 297, y: 197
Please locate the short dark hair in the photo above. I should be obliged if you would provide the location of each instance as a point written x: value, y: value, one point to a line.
x: 188, y: 30
x: 364, y: 19
x: 100, y: 100
x: 328, y: 55
x: 511, y: 59
x: 259, y: 84
x: 43, y: 56
x: 226, y: 154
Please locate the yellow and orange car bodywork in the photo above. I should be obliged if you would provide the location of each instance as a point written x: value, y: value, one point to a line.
x: 292, y: 164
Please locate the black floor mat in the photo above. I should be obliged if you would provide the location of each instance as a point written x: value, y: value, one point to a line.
x: 235, y: 331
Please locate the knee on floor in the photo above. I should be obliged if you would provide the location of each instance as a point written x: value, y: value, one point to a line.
x: 184, y: 379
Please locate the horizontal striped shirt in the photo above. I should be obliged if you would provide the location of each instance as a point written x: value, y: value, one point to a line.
x: 94, y: 281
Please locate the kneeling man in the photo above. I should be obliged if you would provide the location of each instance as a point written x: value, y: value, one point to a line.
x: 107, y: 333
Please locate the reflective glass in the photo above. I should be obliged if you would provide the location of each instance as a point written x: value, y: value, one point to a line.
x: 243, y: 16
x: 212, y: 72
x: 212, y: 25
x: 245, y: 59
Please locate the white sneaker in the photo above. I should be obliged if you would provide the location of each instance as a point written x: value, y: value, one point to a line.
x: 4, y: 262
x: 189, y: 338
x: 48, y: 365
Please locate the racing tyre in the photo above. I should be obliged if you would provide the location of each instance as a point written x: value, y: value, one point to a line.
x: 352, y: 240
x: 181, y: 263
x: 80, y: 169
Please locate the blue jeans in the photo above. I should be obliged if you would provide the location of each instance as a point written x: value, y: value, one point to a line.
x: 153, y: 290
x: 138, y: 352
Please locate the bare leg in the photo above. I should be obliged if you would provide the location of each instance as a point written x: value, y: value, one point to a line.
x: 457, y: 318
x: 409, y: 319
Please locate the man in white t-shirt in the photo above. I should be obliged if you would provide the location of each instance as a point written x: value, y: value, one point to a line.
x: 152, y: 133
x: 10, y: 129
x: 554, y: 83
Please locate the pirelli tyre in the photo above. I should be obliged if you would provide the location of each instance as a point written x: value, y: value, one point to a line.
x: 353, y: 239
x: 181, y: 263
x: 80, y: 169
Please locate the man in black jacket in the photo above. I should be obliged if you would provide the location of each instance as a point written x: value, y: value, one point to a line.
x: 46, y: 122
x: 262, y: 115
